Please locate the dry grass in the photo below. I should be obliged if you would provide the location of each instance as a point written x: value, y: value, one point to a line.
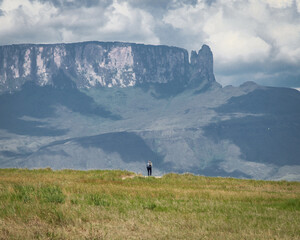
x: 46, y: 204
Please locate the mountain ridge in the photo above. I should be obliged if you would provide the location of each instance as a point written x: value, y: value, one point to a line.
x: 175, y: 114
x: 104, y: 64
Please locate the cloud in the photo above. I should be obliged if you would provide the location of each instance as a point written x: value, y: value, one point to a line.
x: 76, y: 3
x: 68, y: 21
x: 243, y: 34
x: 251, y: 40
x: 24, y: 21
x: 134, y: 24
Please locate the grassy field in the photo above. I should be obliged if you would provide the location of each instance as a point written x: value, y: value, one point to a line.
x: 46, y: 204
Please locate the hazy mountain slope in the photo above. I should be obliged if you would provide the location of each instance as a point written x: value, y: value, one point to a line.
x: 188, y: 123
x: 275, y: 134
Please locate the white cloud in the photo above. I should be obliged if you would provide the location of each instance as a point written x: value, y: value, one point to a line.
x: 19, y: 13
x: 122, y: 19
x: 250, y: 36
x: 33, y: 21
x: 24, y: 21
x: 298, y: 5
x: 238, y: 46
x: 279, y: 3
x: 242, y: 32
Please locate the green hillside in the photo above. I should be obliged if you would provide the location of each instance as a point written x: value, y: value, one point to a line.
x: 67, y: 204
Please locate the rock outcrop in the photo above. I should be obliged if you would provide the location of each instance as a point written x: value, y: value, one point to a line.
x: 98, y: 105
x: 201, y: 67
x: 104, y: 64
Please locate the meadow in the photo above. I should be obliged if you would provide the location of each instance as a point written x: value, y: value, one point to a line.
x: 114, y: 204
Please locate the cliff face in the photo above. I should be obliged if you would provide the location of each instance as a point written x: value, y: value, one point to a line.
x: 201, y: 66
x: 125, y: 117
x: 92, y: 64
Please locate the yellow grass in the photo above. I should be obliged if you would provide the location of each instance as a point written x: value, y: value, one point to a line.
x: 46, y: 204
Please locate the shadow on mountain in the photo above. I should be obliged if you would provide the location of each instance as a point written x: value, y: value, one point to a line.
x: 13, y: 154
x: 162, y: 90
x: 130, y: 147
x: 281, y: 101
x: 272, y: 137
x: 213, y: 170
x: 40, y: 102
x: 172, y: 89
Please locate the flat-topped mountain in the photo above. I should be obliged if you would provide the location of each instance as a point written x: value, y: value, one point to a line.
x: 117, y: 105
x: 104, y: 64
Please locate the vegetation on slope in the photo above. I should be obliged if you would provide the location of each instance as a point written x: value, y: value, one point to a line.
x: 67, y: 204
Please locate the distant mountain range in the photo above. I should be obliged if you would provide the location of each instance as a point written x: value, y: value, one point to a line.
x: 113, y: 105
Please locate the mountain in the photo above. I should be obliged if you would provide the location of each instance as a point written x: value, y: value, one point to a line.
x: 103, y: 64
x: 116, y: 105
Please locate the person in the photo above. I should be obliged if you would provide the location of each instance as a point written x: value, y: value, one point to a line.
x: 149, y: 168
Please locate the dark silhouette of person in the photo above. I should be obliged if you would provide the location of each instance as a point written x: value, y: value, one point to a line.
x: 149, y: 168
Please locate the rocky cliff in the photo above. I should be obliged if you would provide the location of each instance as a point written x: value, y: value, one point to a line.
x: 103, y: 64
x: 101, y: 105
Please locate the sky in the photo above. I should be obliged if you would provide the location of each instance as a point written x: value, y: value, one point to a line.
x: 251, y: 40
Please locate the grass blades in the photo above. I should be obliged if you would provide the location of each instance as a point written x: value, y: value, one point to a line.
x: 103, y: 204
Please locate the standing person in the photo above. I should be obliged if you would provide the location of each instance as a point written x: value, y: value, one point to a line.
x: 149, y: 168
